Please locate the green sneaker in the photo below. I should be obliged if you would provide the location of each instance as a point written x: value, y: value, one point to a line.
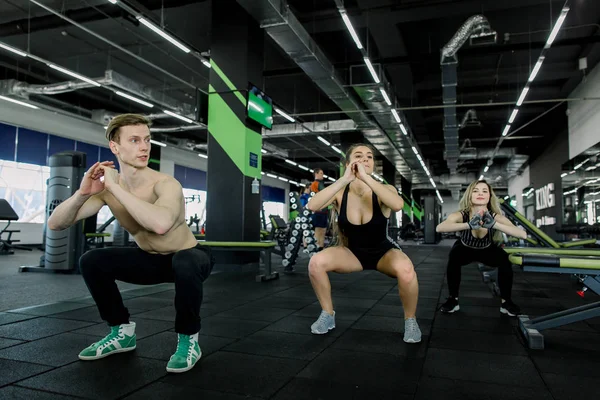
x: 119, y: 340
x: 187, y: 354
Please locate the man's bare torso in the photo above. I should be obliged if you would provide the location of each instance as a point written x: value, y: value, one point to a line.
x: 179, y: 237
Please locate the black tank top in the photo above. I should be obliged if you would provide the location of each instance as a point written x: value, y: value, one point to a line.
x: 369, y: 235
x: 467, y: 238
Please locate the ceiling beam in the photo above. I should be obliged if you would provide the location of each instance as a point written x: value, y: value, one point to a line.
x: 329, y: 20
x: 428, y: 59
x: 310, y: 128
x: 484, y: 94
x: 474, y: 78
x: 81, y: 15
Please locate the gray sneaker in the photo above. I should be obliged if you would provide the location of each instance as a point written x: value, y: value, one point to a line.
x: 412, y: 333
x: 324, y: 324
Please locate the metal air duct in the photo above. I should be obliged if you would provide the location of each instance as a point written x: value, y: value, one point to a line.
x: 182, y: 128
x: 456, y: 179
x: 111, y: 78
x: 496, y: 174
x: 13, y: 87
x: 284, y: 28
x: 482, y: 154
x: 475, y: 26
x: 310, y: 128
x: 470, y: 119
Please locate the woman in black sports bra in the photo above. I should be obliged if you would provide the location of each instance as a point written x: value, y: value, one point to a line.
x: 364, y: 206
x: 478, y: 219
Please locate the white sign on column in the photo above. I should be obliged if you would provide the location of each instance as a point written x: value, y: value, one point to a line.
x: 544, y: 198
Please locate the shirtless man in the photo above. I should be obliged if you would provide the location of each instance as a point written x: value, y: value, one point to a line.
x: 151, y: 207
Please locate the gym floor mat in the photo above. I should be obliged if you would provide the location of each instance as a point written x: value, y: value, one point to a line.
x: 257, y: 344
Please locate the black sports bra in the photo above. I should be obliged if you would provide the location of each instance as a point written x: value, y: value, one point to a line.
x: 467, y: 238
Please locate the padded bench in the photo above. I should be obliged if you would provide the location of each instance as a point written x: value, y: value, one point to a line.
x: 7, y: 213
x: 569, y: 244
x: 551, y: 251
x: 564, y: 261
x: 265, y: 249
x: 540, y: 238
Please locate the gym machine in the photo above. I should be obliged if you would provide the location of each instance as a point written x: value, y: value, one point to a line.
x: 62, y: 249
x: 432, y: 213
x: 301, y: 230
x: 279, y: 233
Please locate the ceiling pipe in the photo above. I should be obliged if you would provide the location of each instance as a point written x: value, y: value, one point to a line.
x: 470, y: 119
x: 12, y: 87
x: 475, y: 27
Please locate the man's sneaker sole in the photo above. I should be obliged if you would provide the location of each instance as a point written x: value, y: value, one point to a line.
x: 412, y: 341
x: 110, y: 353
x: 322, y: 333
x: 455, y: 309
x: 505, y: 311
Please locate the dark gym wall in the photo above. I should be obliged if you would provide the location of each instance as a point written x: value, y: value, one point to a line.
x: 547, y: 169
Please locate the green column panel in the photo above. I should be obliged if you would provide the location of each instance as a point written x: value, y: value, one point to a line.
x: 234, y: 141
x: 407, y: 208
x: 417, y: 211
x: 238, y: 141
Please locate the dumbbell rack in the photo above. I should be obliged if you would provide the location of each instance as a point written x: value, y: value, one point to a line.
x: 300, y: 229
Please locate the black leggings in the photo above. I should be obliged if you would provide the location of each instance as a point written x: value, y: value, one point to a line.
x: 188, y: 269
x: 492, y: 256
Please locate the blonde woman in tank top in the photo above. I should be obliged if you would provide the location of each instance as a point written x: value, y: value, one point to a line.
x: 478, y: 219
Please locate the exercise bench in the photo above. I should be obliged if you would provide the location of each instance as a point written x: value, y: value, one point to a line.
x: 578, y: 262
x: 265, y: 249
x: 7, y: 213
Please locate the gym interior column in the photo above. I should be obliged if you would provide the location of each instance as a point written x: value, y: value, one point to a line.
x: 407, y: 196
x: 234, y: 143
x: 154, y: 160
x: 417, y: 208
x: 389, y: 175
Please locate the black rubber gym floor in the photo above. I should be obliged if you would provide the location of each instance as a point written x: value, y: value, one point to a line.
x: 257, y: 344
